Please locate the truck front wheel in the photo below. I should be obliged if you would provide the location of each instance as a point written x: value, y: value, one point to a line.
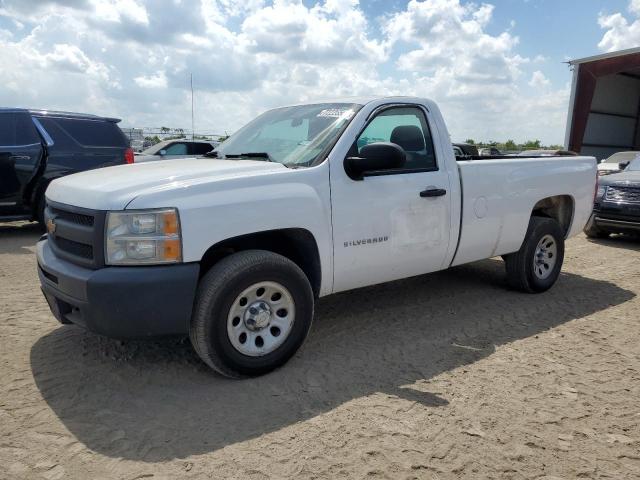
x: 253, y: 311
x: 536, y: 266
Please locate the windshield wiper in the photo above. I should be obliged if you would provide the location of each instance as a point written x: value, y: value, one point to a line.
x: 250, y: 155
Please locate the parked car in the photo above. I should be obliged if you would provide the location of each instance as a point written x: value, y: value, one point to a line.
x: 616, y: 162
x: 172, y: 149
x: 464, y: 151
x: 234, y: 252
x: 617, y: 203
x: 547, y: 153
x: 490, y: 152
x: 38, y: 146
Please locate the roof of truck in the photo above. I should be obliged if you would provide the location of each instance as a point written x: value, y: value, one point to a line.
x: 57, y: 113
x: 604, y: 56
x: 363, y: 100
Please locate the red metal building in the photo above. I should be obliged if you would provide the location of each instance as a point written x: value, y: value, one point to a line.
x: 604, y: 110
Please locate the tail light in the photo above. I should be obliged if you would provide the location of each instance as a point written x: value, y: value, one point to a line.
x: 128, y: 155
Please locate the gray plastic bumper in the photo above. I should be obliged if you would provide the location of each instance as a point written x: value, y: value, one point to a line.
x: 119, y: 302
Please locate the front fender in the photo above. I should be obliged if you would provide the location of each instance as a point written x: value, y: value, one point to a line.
x: 213, y: 212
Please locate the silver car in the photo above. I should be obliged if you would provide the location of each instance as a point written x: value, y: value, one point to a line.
x: 616, y: 162
x: 177, y: 148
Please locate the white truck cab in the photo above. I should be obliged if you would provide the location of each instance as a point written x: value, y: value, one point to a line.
x: 302, y: 202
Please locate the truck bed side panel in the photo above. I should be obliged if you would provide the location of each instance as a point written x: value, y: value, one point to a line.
x: 499, y: 196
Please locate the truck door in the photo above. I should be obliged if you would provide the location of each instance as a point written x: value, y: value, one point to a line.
x: 394, y: 223
x: 20, y: 155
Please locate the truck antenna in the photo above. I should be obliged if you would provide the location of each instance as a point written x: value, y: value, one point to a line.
x: 193, y: 130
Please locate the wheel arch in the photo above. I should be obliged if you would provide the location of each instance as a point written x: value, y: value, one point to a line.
x: 297, y: 244
x: 559, y: 207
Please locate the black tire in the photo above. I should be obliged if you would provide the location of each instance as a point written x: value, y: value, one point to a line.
x: 39, y: 212
x: 520, y: 265
x: 218, y: 290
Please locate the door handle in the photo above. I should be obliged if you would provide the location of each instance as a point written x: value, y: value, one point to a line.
x: 433, y: 192
x: 20, y: 158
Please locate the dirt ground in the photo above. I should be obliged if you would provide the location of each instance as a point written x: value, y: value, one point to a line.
x: 443, y: 376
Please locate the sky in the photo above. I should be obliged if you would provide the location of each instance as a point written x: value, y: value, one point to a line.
x: 495, y: 68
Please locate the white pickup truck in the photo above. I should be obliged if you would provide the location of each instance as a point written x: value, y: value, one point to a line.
x: 302, y: 202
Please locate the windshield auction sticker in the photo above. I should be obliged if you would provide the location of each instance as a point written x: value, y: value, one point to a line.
x: 336, y: 113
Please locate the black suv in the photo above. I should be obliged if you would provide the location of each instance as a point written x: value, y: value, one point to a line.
x: 38, y: 146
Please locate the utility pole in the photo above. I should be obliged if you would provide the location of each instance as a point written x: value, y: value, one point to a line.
x: 192, y: 122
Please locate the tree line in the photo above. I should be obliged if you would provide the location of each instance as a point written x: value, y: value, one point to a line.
x: 512, y: 145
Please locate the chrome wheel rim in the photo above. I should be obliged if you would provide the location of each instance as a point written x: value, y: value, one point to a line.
x: 545, y: 257
x: 261, y: 318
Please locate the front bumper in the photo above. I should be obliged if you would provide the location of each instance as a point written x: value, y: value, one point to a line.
x: 617, y: 225
x: 119, y: 302
x: 616, y: 217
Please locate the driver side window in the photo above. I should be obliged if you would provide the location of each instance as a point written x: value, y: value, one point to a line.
x: 407, y: 127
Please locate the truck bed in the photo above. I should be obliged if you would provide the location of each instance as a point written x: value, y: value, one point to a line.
x: 497, y: 190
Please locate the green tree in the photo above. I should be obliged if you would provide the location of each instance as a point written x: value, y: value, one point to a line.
x: 510, y: 145
x: 532, y: 144
x: 470, y: 141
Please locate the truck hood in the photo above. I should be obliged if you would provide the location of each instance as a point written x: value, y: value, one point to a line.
x: 622, y: 178
x: 112, y: 188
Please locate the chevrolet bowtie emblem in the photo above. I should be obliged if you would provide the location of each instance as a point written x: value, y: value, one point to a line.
x: 51, y: 226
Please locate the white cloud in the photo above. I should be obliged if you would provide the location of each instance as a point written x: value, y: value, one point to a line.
x: 621, y: 33
x: 478, y: 78
x: 154, y: 81
x: 133, y: 59
x: 332, y: 31
x: 539, y: 80
x: 453, y: 46
x: 121, y: 10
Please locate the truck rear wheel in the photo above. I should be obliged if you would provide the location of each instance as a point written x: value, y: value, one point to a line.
x: 536, y: 266
x: 253, y: 311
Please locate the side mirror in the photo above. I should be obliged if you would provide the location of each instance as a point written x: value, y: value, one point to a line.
x: 623, y: 165
x: 375, y: 157
x: 162, y: 152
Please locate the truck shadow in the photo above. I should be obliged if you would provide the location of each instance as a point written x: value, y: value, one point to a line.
x: 624, y: 242
x: 155, y: 401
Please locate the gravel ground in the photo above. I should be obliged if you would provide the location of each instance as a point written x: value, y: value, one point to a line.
x: 443, y: 376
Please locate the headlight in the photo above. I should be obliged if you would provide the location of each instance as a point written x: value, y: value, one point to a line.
x: 601, y: 191
x: 143, y: 237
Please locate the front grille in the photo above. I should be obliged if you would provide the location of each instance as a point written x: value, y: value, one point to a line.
x: 623, y: 194
x: 73, y: 217
x: 75, y: 248
x: 76, y: 234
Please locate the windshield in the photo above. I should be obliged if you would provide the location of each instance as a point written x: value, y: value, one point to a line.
x: 293, y: 136
x: 153, y: 149
x: 634, y: 166
x: 621, y: 157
